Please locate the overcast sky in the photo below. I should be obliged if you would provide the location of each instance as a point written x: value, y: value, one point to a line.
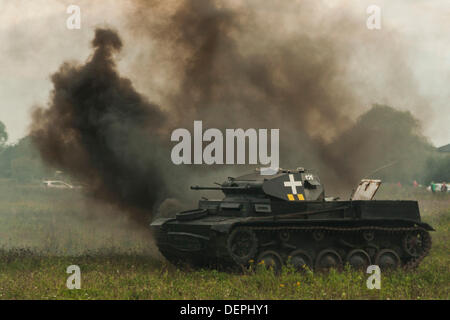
x: 35, y: 41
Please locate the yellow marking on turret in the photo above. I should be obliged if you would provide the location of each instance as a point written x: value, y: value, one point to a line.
x: 290, y: 197
x: 300, y: 196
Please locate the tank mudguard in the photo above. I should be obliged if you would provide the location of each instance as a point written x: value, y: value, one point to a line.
x: 160, y: 221
x: 225, y: 228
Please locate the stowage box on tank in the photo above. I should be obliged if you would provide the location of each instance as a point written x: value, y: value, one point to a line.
x: 287, y: 218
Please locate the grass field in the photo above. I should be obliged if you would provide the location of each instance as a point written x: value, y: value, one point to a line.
x: 42, y: 232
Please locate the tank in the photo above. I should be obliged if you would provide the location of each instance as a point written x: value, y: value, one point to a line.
x: 285, y: 218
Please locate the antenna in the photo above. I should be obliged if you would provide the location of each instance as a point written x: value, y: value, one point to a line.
x: 380, y: 168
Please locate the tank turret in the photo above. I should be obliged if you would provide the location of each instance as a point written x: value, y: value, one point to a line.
x: 288, y: 185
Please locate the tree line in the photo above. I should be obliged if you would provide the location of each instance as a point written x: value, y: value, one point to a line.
x: 391, y: 136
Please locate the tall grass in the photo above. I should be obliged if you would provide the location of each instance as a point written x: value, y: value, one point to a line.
x: 65, y: 222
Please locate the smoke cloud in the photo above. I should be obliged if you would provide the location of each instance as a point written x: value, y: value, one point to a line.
x: 231, y: 65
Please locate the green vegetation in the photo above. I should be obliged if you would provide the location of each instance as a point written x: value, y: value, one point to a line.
x: 438, y: 168
x: 42, y: 232
x: 3, y: 134
x: 22, y: 162
x: 385, y: 136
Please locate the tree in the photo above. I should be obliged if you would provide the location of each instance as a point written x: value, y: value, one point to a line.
x: 384, y: 136
x: 3, y: 134
x: 22, y: 162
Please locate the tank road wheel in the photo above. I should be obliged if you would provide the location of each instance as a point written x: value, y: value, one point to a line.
x: 413, y: 243
x: 358, y: 259
x: 327, y: 259
x: 242, y: 245
x: 300, y: 259
x: 271, y: 260
x: 387, y: 259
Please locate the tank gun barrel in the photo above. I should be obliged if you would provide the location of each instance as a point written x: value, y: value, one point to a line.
x: 219, y: 188
x: 205, y: 188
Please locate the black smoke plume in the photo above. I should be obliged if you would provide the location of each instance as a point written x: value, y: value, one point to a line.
x: 100, y: 130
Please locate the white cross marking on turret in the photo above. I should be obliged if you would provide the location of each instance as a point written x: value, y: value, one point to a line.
x: 293, y: 184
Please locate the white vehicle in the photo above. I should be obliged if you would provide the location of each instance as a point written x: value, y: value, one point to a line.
x: 56, y: 184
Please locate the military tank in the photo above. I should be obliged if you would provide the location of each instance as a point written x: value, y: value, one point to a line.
x: 286, y: 218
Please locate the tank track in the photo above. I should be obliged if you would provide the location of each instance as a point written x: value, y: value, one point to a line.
x: 271, y: 233
x: 411, y: 263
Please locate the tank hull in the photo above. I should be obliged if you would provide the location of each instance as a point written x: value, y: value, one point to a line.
x: 317, y: 234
